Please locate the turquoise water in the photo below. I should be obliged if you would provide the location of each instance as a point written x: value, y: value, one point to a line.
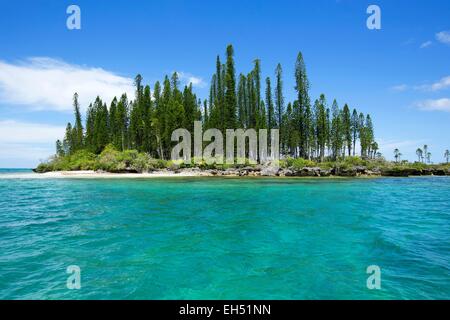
x: 205, y: 238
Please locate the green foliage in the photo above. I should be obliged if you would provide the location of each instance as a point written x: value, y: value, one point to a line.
x: 128, y: 135
x: 297, y: 163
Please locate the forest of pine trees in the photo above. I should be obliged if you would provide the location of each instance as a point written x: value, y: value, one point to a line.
x: 310, y: 130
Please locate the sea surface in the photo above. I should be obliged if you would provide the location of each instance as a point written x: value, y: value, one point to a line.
x: 224, y: 238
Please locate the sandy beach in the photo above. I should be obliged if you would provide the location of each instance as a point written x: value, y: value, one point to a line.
x: 88, y: 174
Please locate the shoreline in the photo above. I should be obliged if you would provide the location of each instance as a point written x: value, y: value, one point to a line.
x: 306, y: 172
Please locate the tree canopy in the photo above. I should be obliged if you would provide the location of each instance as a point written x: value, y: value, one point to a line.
x: 146, y: 123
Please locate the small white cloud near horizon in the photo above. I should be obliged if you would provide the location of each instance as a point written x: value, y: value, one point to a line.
x: 24, y: 144
x: 407, y: 147
x: 443, y: 83
x: 12, y: 131
x: 188, y: 78
x: 443, y: 36
x: 399, y: 88
x: 426, y: 44
x: 434, y: 105
x: 43, y: 83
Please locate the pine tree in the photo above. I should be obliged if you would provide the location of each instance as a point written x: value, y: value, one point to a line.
x: 347, y: 128
x: 219, y: 103
x: 101, y: 127
x: 302, y: 87
x: 279, y: 99
x: 354, y: 128
x: 205, y: 114
x: 336, y: 130
x: 78, y: 127
x: 68, y: 140
x: 362, y: 134
x: 158, y: 121
x: 175, y: 113
x: 242, y: 101
x: 113, y: 125
x: 230, y: 91
x: 122, y: 123
x: 328, y: 135
x: 252, y: 101
x: 369, y: 135
x: 90, y: 119
x: 322, y: 127
x: 59, y: 149
x: 271, y: 121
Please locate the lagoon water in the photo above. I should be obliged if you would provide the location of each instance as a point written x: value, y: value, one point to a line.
x: 213, y: 238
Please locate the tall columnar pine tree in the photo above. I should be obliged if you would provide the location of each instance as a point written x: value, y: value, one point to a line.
x: 78, y: 137
x: 321, y: 126
x: 355, y: 129
x: 302, y: 87
x: 279, y: 101
x: 347, y: 128
x: 146, y: 124
x: 362, y: 134
x: 271, y: 121
x: 242, y: 101
x: 369, y: 135
x: 68, y: 140
x: 230, y: 91
x: 256, y: 96
x: 336, y: 131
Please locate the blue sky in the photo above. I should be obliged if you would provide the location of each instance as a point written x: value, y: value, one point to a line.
x: 399, y: 74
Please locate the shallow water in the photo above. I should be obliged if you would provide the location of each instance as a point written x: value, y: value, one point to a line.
x: 233, y: 238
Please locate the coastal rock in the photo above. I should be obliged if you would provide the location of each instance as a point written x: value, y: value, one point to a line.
x: 269, y: 171
x: 439, y: 172
x: 347, y: 172
x: 394, y: 173
x: 311, y: 172
x: 286, y: 173
x: 374, y: 171
x: 361, y: 169
x: 231, y: 172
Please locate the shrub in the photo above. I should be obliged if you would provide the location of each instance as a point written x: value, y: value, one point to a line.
x: 300, y: 163
x: 109, y: 160
x: 141, y: 162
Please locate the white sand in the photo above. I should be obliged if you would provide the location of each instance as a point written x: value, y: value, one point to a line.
x: 96, y: 175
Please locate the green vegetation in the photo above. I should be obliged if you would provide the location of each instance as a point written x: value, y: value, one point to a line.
x: 313, y: 132
x: 113, y: 160
x: 135, y: 136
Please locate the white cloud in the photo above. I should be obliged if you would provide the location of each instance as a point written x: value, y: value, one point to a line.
x: 48, y: 84
x: 12, y: 131
x: 399, y: 88
x: 426, y: 44
x: 24, y: 144
x: 392, y: 144
x: 439, y: 85
x: 434, y: 105
x: 188, y: 78
x: 443, y: 36
x: 406, y: 147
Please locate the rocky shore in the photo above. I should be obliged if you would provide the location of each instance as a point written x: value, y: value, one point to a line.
x: 357, y: 171
x: 252, y: 171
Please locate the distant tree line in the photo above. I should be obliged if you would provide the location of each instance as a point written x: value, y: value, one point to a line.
x: 307, y: 130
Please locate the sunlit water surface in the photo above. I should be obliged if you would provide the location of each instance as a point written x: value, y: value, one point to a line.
x: 211, y: 238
